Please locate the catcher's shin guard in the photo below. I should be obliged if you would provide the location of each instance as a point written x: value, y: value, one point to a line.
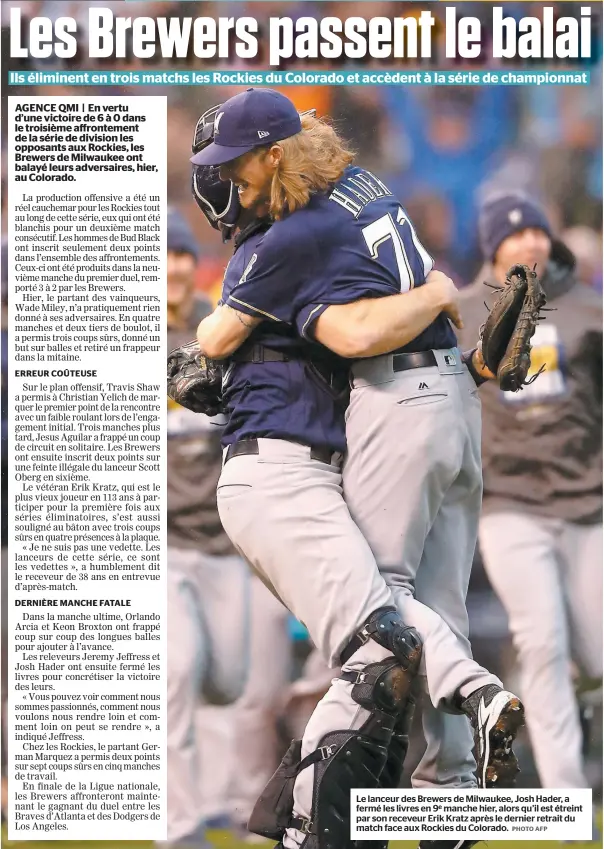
x: 386, y: 627
x: 344, y: 760
x: 391, y: 775
x: 383, y: 690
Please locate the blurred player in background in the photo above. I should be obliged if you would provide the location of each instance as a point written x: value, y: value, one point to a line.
x: 541, y: 529
x: 255, y: 745
x: 208, y: 585
x: 239, y: 743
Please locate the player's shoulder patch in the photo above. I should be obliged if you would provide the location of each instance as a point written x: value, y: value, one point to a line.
x: 248, y: 268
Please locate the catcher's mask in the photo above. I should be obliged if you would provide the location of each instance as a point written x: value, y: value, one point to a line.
x: 217, y: 199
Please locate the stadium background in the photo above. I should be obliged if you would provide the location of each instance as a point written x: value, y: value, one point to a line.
x: 442, y: 150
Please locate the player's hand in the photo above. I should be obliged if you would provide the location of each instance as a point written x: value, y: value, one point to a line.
x: 479, y: 365
x: 447, y: 296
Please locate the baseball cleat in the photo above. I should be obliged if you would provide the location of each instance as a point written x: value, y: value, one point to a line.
x: 496, y: 718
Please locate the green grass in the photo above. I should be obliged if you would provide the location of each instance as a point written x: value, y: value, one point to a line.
x: 222, y: 840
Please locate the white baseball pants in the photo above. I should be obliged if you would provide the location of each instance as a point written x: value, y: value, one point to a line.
x: 254, y: 715
x: 413, y: 483
x: 548, y: 576
x: 208, y: 627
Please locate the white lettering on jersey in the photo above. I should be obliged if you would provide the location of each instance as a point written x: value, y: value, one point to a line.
x: 355, y: 193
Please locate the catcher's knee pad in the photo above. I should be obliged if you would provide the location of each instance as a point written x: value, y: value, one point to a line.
x: 386, y: 627
x: 384, y: 686
x: 390, y: 778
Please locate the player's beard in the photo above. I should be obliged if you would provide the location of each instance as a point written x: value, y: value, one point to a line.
x: 258, y: 206
x: 257, y: 199
x: 246, y: 217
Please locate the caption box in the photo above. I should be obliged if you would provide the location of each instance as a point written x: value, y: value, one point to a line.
x: 472, y: 814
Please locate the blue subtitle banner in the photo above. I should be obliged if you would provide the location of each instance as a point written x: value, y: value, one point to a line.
x: 310, y: 78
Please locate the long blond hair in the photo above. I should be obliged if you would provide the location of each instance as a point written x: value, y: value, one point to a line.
x: 310, y: 162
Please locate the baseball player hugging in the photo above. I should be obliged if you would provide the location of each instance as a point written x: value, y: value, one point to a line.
x: 330, y: 287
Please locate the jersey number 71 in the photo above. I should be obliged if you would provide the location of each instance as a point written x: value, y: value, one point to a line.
x: 384, y: 228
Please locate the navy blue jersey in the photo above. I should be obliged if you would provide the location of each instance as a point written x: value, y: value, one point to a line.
x: 355, y: 241
x: 283, y: 400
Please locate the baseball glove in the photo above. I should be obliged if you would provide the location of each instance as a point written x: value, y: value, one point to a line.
x: 194, y: 381
x: 505, y: 335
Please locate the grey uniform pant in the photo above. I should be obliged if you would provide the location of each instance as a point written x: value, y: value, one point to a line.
x: 548, y: 575
x: 413, y: 484
x: 208, y: 611
x: 286, y: 515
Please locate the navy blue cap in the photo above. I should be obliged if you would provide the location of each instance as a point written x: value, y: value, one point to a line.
x: 180, y: 237
x: 257, y: 117
x: 503, y: 216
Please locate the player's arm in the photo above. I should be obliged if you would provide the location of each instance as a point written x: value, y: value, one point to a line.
x: 226, y: 329
x: 265, y: 292
x: 374, y: 326
x: 260, y: 295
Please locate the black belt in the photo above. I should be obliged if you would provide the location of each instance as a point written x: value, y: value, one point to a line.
x: 259, y: 354
x: 250, y: 446
x: 420, y: 359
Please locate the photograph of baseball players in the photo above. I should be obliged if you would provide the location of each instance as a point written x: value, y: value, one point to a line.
x: 208, y: 196
x: 451, y: 156
x: 282, y: 480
